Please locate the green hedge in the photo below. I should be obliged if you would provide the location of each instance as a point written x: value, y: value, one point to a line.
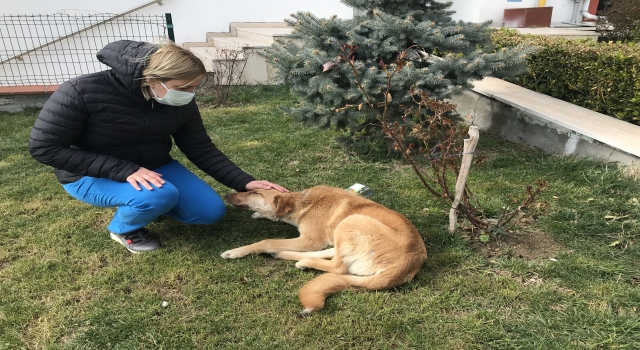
x: 604, y: 77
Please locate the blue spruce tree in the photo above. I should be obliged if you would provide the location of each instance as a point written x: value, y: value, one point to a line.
x: 445, y: 56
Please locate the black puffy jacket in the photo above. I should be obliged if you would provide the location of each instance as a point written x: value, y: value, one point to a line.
x: 100, y: 125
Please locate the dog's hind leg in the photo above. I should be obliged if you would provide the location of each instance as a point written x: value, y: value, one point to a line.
x: 335, y: 265
x: 290, y: 255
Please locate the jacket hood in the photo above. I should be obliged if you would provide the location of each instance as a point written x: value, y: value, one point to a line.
x: 127, y: 60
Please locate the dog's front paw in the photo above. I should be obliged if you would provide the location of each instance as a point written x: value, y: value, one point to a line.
x: 233, y: 254
x: 257, y: 215
x: 307, y: 312
x: 301, y: 265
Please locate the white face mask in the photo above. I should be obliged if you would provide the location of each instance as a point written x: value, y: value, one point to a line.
x: 174, y: 97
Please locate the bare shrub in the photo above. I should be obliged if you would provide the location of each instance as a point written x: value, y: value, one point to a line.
x: 435, y: 149
x: 226, y: 72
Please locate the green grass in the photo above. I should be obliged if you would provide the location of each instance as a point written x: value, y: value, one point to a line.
x: 65, y: 285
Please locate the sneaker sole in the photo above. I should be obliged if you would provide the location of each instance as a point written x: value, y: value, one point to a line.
x: 115, y: 238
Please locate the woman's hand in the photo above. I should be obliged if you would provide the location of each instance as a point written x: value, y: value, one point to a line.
x: 264, y: 185
x: 143, y: 176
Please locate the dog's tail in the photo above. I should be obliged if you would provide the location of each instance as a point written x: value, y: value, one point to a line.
x: 313, y: 294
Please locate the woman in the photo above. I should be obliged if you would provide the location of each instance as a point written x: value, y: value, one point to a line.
x: 108, y: 137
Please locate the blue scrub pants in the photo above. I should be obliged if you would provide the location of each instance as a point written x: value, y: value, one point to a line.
x: 184, y: 197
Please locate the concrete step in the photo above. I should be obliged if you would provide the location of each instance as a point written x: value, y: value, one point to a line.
x: 235, y: 25
x: 210, y: 53
x: 254, y: 36
x: 262, y: 32
x: 252, y: 69
x: 216, y: 61
x: 263, y: 35
x: 255, y: 31
x: 234, y: 42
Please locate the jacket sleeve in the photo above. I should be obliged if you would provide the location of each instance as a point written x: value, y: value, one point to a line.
x: 57, y: 129
x: 192, y: 139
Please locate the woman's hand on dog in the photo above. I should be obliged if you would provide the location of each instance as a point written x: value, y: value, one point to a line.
x: 264, y: 185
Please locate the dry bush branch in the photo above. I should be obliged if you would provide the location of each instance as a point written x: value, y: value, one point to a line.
x: 229, y: 65
x: 437, y: 141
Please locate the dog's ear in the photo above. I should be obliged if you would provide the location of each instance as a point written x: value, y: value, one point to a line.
x: 283, y: 205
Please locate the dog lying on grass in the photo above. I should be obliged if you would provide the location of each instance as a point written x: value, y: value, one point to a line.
x: 373, y: 247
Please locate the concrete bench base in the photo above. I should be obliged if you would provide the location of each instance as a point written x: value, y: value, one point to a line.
x: 521, y: 115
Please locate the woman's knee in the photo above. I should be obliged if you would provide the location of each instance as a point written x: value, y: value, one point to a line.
x: 161, y: 199
x: 209, y: 213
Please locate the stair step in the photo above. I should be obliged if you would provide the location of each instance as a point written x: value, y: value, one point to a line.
x: 210, y: 55
x: 236, y: 42
x: 234, y: 25
x: 252, y: 35
x: 265, y: 35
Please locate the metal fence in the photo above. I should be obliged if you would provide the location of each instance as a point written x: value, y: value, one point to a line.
x: 50, y: 49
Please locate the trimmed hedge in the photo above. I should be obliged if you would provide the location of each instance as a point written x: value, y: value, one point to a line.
x: 603, y: 77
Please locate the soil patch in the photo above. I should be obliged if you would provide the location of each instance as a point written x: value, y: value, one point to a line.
x: 530, y: 245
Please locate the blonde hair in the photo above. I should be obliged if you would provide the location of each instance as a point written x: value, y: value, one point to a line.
x: 170, y: 62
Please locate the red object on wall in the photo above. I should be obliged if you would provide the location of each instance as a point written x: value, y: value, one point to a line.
x: 593, y: 9
x: 528, y: 17
x: 593, y: 6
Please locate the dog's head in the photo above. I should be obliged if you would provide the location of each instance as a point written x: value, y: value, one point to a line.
x: 268, y: 202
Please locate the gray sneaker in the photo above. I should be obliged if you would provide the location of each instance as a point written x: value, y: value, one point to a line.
x: 137, y: 241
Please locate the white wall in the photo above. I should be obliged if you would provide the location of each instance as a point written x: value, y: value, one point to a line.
x: 468, y: 11
x: 192, y: 18
x: 493, y: 10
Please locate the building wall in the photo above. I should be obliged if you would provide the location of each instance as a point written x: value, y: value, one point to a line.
x: 493, y: 10
x: 192, y: 18
x: 468, y: 11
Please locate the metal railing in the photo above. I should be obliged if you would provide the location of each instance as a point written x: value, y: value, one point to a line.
x: 50, y: 49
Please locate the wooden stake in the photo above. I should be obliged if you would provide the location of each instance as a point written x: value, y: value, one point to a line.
x: 467, y: 156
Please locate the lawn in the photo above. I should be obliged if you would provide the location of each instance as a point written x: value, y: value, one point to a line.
x: 65, y: 285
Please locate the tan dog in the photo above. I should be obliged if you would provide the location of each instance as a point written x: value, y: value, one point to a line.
x: 374, y: 247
